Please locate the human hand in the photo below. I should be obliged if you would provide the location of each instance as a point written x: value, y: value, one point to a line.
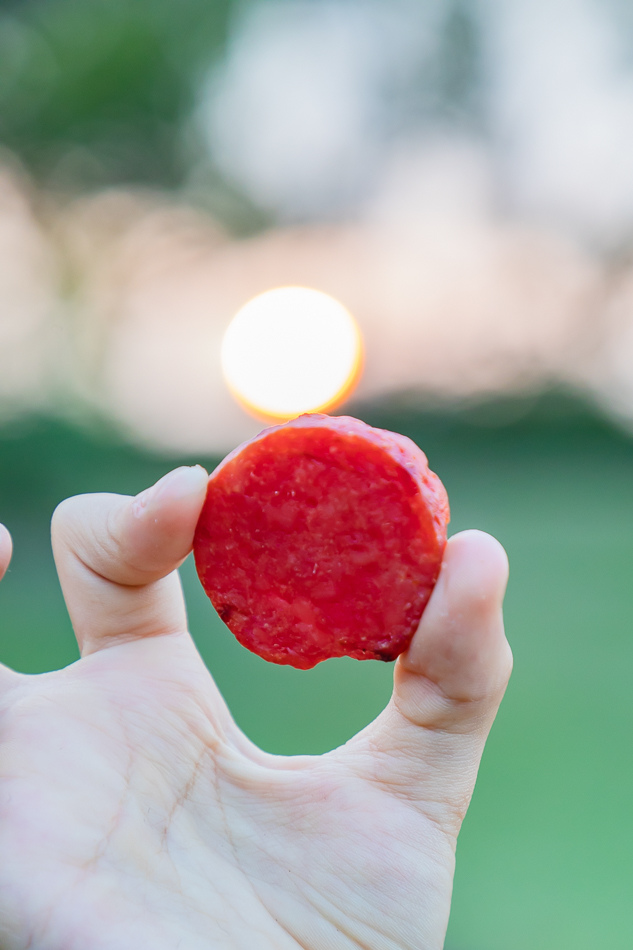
x: 134, y: 813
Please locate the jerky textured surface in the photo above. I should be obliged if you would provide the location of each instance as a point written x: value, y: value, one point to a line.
x: 322, y: 537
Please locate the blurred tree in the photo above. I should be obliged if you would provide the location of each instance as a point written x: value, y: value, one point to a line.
x: 459, y: 67
x: 94, y: 93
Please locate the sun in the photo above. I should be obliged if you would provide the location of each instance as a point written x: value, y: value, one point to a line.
x: 291, y: 350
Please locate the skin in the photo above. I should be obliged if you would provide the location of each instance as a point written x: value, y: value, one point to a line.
x: 134, y: 813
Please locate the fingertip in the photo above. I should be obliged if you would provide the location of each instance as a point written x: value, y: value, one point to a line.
x: 156, y: 528
x: 479, y: 561
x: 6, y: 549
x: 185, y: 486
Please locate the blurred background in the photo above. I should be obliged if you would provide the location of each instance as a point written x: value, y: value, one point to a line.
x: 460, y: 177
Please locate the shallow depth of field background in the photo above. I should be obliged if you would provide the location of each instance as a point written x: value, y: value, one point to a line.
x: 458, y: 175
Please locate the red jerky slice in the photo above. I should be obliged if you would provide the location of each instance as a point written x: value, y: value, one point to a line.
x: 322, y: 537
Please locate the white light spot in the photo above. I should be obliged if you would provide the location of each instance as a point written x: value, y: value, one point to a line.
x: 291, y: 350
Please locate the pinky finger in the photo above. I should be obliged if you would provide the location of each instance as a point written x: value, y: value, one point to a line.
x: 6, y: 548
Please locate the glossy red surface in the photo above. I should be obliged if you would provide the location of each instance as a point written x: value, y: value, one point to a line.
x: 322, y: 537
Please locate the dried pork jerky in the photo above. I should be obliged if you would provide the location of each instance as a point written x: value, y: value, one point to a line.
x: 322, y: 537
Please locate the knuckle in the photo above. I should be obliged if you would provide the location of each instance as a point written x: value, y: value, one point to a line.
x: 62, y: 518
x: 81, y: 527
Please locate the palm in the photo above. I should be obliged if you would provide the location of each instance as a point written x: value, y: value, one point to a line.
x: 134, y: 813
x: 146, y: 778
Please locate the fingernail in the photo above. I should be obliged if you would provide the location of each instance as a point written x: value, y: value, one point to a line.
x: 183, y: 481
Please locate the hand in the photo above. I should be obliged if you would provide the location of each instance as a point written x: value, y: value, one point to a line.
x: 133, y: 812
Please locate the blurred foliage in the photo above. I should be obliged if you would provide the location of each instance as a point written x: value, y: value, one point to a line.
x: 451, y: 84
x: 94, y: 92
x: 544, y: 856
x: 101, y: 92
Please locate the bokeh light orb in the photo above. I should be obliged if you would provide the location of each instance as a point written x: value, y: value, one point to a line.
x: 291, y: 350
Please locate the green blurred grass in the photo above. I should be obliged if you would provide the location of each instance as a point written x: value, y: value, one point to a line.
x: 543, y: 859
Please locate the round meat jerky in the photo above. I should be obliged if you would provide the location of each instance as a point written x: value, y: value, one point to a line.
x: 322, y: 537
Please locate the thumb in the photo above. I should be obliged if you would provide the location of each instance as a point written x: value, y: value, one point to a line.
x: 117, y: 556
x: 428, y: 743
